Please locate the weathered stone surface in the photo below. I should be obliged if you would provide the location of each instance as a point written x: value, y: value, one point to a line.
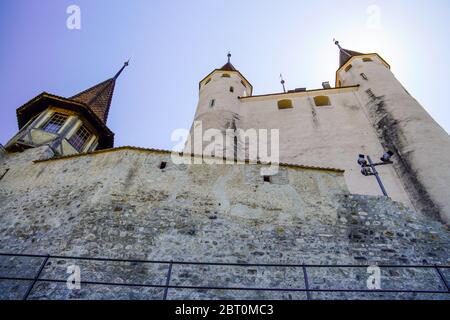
x: 119, y: 204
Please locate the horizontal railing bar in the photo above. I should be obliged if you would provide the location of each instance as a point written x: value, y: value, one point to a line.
x: 224, y: 263
x: 230, y: 288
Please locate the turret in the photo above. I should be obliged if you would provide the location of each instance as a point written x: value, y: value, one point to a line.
x: 422, y: 147
x: 67, y: 125
x: 218, y: 110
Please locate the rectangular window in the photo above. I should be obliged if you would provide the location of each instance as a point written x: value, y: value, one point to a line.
x: 55, y: 123
x: 80, y: 138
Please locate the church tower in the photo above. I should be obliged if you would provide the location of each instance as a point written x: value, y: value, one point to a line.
x: 218, y: 112
x: 422, y: 147
x: 67, y: 125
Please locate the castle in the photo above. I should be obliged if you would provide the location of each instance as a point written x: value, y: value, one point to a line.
x: 64, y: 189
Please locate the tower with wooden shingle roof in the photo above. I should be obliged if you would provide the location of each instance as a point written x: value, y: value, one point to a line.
x: 68, y: 125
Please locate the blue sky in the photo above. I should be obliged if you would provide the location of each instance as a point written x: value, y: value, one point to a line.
x: 174, y: 44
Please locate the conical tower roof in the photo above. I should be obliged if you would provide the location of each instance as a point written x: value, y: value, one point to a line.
x: 99, y: 97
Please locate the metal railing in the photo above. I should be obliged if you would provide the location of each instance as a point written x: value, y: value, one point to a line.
x: 303, y: 268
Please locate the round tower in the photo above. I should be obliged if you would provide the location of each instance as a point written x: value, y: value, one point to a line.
x: 218, y: 112
x: 422, y: 147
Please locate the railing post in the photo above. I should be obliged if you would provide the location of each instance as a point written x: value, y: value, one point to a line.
x: 36, y: 277
x: 169, y: 274
x: 441, y: 275
x: 305, y: 276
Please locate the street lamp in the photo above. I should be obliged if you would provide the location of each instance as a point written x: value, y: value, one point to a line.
x: 368, y: 167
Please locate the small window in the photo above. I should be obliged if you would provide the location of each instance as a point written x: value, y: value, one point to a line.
x: 367, y: 59
x: 212, y: 103
x: 267, y: 179
x: 80, y: 138
x: 207, y: 81
x: 226, y: 75
x: 163, y: 165
x: 347, y: 68
x: 285, y: 104
x: 231, y: 89
x: 55, y: 123
x: 321, y: 101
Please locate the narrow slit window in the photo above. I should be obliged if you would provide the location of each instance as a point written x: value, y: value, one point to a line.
x: 55, y: 123
x: 347, y: 69
x: 79, y: 139
x: 363, y: 75
x: 322, y: 101
x: 212, y: 103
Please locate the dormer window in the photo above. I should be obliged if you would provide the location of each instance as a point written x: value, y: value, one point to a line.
x: 79, y: 139
x: 226, y: 75
x: 55, y: 123
x: 207, y: 81
x: 347, y: 68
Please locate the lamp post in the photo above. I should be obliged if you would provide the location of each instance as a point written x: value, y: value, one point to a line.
x: 369, y: 168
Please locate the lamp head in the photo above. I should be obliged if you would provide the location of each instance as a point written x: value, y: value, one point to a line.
x: 366, y: 171
x: 362, y: 160
x: 387, y: 156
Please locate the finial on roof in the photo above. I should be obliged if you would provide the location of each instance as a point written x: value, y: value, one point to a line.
x: 229, y: 56
x: 125, y: 64
x: 282, y: 83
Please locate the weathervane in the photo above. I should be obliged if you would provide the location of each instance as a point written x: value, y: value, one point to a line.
x: 282, y: 83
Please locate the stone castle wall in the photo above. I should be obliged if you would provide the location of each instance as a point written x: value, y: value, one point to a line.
x: 120, y: 204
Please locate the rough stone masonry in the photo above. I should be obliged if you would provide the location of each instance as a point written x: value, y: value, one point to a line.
x: 119, y: 203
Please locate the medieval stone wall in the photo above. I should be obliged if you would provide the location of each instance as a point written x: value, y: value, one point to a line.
x: 120, y: 204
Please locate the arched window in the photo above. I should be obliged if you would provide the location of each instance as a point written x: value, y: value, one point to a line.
x: 226, y: 75
x: 322, y: 101
x: 367, y: 59
x: 231, y: 89
x: 348, y: 68
x: 285, y: 104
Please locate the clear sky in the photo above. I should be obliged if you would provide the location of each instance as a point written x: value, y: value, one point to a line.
x: 175, y: 44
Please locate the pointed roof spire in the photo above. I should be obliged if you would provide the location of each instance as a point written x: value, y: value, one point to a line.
x: 345, y: 54
x: 99, y: 97
x: 228, y: 66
